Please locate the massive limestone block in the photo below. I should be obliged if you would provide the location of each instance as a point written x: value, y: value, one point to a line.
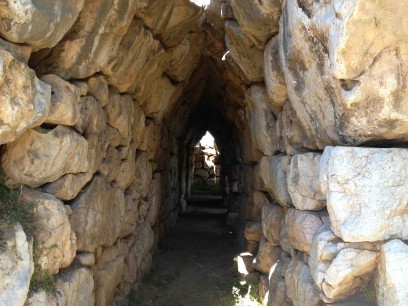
x: 92, y: 120
x: 138, y: 61
x: 92, y: 41
x: 270, y: 176
x: 20, y: 52
x: 272, y: 216
x: 25, y: 100
x: 40, y: 155
x: 64, y: 108
x: 98, y: 88
x: 277, y: 286
x: 303, y: 182
x: 184, y: 57
x: 259, y: 20
x: 274, y: 78
x: 41, y: 24
x: 16, y: 266
x: 301, y: 227
x: 267, y: 257
x: 392, y: 283
x: 110, y: 165
x: 151, y: 139
x: 96, y: 215
x: 127, y: 169
x: 119, y: 113
x: 154, y: 199
x: 243, y: 52
x: 306, y: 68
x: 253, y: 231
x: 52, y: 231
x: 138, y: 126
x: 143, y: 174
x: 131, y: 216
x: 108, y: 272
x: 366, y: 191
x: 261, y: 120
x: 300, y: 287
x: 257, y: 200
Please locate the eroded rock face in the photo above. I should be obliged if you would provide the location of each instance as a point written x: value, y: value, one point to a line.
x: 75, y: 287
x: 366, y: 199
x: 16, y: 267
x: 41, y: 24
x: 303, y: 182
x: 268, y: 255
x: 272, y: 216
x: 40, y: 156
x: 96, y: 215
x: 25, y: 100
x: 392, y: 285
x: 52, y: 231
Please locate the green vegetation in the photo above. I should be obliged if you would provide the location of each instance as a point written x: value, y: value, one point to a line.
x: 41, y: 279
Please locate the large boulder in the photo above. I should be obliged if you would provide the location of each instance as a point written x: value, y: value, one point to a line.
x: 16, y: 266
x: 366, y: 191
x: 41, y: 24
x: 392, y: 283
x: 25, y: 100
x: 267, y: 257
x: 303, y: 182
x: 41, y: 155
x: 96, y: 215
x: 272, y: 216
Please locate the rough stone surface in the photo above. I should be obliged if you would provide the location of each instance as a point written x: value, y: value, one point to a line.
x: 52, y: 20
x: 96, y: 215
x: 25, y: 100
x: 40, y: 155
x: 52, y: 231
x: 253, y: 231
x: 392, y: 285
x: 16, y: 267
x: 20, y: 52
x: 268, y: 255
x: 366, y: 196
x: 272, y: 216
x: 303, y: 182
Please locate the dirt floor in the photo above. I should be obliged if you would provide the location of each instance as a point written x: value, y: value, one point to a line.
x: 194, y: 265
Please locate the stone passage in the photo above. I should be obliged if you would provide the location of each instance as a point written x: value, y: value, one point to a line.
x: 103, y: 101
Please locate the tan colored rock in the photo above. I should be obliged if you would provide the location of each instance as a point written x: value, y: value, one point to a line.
x: 92, y: 41
x: 98, y: 88
x: 92, y: 120
x: 270, y: 176
x: 25, y: 100
x: 111, y: 164
x: 130, y: 218
x: 267, y: 257
x: 64, y: 108
x: 16, y: 266
x: 257, y: 200
x: 303, y: 182
x: 272, y: 216
x: 274, y: 78
x: 127, y: 169
x: 366, y: 197
x: 154, y: 199
x: 119, y: 113
x: 85, y: 259
x: 143, y: 173
x: 258, y: 20
x: 392, y: 286
x: 300, y: 287
x: 244, y: 52
x: 52, y: 231
x: 139, y: 126
x: 18, y: 51
x: 253, y: 231
x: 261, y: 120
x: 40, y: 156
x: 96, y: 215
x: 301, y: 226
x: 52, y: 21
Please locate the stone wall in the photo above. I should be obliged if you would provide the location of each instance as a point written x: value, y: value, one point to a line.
x: 207, y: 169
x: 102, y: 101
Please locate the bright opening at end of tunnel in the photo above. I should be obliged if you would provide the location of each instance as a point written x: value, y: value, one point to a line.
x: 207, y: 140
x: 204, y: 3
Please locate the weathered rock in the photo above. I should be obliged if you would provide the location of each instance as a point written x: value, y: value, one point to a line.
x: 272, y: 216
x: 154, y: 199
x: 25, y: 100
x: 274, y: 78
x: 119, y: 113
x: 40, y: 156
x: 130, y: 217
x: 110, y: 165
x: 92, y: 120
x: 143, y: 174
x: 392, y: 285
x: 244, y: 52
x: 259, y: 20
x: 96, y: 215
x: 253, y: 231
x: 138, y: 61
x: 85, y: 259
x: 39, y: 298
x: 257, y: 200
x: 366, y: 198
x: 56, y: 241
x: 303, y: 182
x: 277, y: 285
x: 268, y: 255
x: 261, y: 120
x: 64, y: 108
x: 52, y: 21
x: 301, y: 226
x: 270, y: 176
x: 98, y: 88
x: 138, y: 126
x: 19, y: 52
x: 16, y: 266
x: 300, y: 287
x: 91, y: 42
x: 127, y: 169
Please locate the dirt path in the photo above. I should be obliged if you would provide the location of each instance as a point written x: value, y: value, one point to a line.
x: 193, y: 266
